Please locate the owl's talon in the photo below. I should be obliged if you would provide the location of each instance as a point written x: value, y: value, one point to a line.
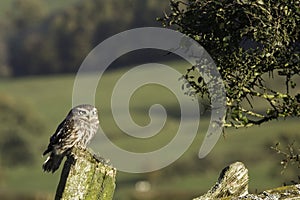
x: 100, y: 159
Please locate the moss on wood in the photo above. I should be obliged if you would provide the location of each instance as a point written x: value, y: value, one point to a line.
x: 85, y: 177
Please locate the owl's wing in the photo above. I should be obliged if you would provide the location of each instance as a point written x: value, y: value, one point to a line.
x: 62, y: 131
x: 58, y: 133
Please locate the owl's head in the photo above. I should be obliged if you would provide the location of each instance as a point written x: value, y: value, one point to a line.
x: 85, y: 112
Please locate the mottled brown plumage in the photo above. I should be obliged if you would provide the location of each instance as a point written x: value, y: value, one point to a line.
x: 76, y: 130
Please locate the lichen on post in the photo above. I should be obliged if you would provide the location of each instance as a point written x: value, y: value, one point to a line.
x: 85, y: 176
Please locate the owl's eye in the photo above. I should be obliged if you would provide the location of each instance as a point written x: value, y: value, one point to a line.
x: 94, y: 112
x: 82, y: 112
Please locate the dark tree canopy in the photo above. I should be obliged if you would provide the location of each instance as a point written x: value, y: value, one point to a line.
x: 250, y: 42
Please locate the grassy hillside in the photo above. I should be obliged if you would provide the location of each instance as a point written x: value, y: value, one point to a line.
x: 51, y: 99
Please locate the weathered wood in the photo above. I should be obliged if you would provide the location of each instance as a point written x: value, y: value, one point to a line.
x: 233, y: 185
x: 84, y: 177
x: 233, y: 181
x: 291, y: 192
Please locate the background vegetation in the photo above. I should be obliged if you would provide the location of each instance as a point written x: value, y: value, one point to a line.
x: 251, y: 41
x: 185, y: 178
x: 42, y: 38
x: 52, y: 37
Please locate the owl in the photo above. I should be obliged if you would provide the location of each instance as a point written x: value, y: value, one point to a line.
x: 76, y: 130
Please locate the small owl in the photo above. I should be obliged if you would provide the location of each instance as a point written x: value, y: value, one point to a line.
x: 76, y: 130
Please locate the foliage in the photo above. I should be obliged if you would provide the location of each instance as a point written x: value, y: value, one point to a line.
x: 24, y: 17
x: 19, y: 128
x: 58, y: 42
x: 15, y: 150
x: 4, y: 69
x: 250, y: 42
x: 290, y: 155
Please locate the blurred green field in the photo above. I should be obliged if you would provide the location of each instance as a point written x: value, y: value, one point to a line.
x: 51, y: 98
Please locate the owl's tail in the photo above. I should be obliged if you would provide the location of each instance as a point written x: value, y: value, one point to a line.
x: 52, y: 163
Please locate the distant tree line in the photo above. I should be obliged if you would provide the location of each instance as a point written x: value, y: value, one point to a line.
x: 40, y: 43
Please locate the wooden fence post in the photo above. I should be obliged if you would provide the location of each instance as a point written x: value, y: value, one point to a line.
x: 84, y: 176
